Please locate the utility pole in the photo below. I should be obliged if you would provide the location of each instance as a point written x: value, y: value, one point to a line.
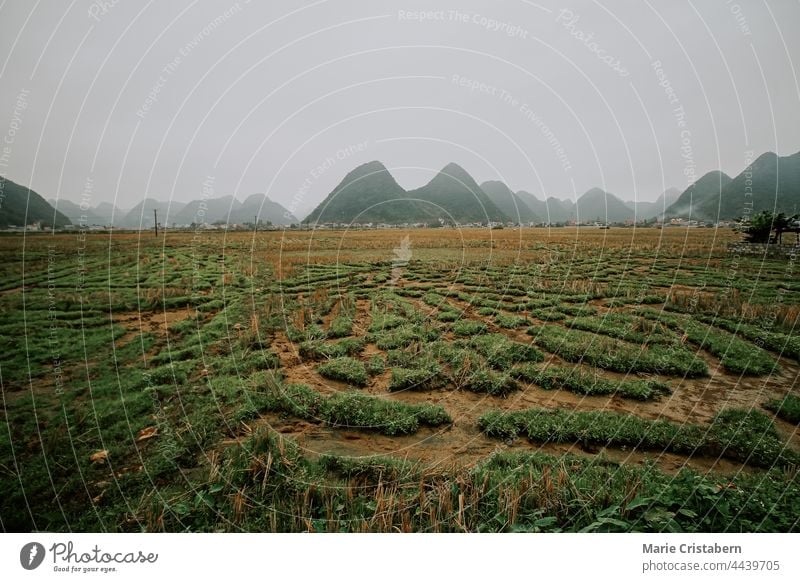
x: 255, y: 224
x: 155, y: 219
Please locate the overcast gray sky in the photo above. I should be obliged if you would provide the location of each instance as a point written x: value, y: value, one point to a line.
x: 633, y: 96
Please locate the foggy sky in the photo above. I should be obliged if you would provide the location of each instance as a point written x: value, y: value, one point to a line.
x: 118, y: 101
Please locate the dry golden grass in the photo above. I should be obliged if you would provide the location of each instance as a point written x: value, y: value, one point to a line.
x: 285, y: 251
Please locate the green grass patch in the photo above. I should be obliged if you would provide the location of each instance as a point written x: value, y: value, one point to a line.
x: 579, y: 310
x: 322, y: 350
x: 548, y: 314
x: 354, y: 410
x: 747, y: 436
x: 469, y: 327
x: 490, y: 382
x: 512, y: 488
x: 382, y: 321
x: 345, y: 369
x: 404, y: 336
x: 737, y: 356
x: 341, y: 326
x: 448, y: 316
x: 633, y: 329
x: 502, y: 353
x: 782, y: 343
x: 588, y: 383
x: 510, y: 321
x: 376, y: 365
x: 787, y: 408
x: 429, y: 377
x: 615, y: 355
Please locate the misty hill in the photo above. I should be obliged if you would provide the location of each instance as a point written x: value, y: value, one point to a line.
x: 509, y: 203
x: 775, y: 187
x: 550, y: 211
x: 559, y: 210
x: 208, y: 210
x: 108, y: 213
x: 220, y: 210
x: 601, y: 206
x: 455, y: 196
x: 20, y: 206
x: 266, y: 209
x: 645, y: 210
x: 141, y: 215
x: 706, y: 191
x: 368, y: 193
x: 74, y: 213
x: 104, y: 214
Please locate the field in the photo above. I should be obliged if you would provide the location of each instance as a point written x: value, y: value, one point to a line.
x: 420, y: 380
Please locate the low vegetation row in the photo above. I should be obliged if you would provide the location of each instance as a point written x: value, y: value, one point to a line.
x: 349, y: 409
x: 746, y: 436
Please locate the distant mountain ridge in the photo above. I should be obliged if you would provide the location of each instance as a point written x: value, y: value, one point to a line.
x: 512, y: 204
x: 597, y: 205
x: 21, y: 206
x: 75, y: 213
x: 219, y: 210
x: 708, y: 188
x: 370, y: 194
x: 770, y: 183
x: 646, y: 209
x: 455, y: 196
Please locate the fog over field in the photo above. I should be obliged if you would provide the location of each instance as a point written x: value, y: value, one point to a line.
x: 285, y: 98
